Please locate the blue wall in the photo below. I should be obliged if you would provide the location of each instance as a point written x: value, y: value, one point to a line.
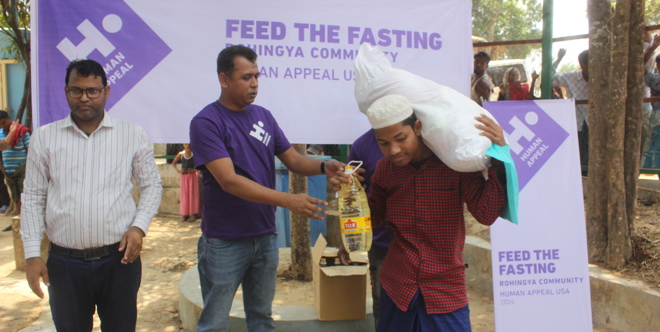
x: 15, y: 77
x: 15, y: 82
x: 315, y: 188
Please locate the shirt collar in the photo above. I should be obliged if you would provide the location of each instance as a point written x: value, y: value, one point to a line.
x: 106, y: 122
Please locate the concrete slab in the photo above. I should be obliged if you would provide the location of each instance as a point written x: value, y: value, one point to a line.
x: 287, y: 317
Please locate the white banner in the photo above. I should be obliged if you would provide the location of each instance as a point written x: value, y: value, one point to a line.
x: 540, y: 267
x: 160, y: 56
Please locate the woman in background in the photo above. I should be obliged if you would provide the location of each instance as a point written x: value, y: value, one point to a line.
x: 189, y: 185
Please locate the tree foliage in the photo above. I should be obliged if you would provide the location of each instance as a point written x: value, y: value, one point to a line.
x: 15, y: 23
x: 652, y: 12
x: 506, y: 20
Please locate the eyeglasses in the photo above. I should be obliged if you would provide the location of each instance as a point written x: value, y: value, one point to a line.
x: 77, y: 93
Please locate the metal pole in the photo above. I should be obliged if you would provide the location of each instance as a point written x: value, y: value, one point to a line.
x: 546, y: 50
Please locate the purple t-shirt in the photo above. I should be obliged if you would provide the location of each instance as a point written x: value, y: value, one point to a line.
x: 366, y: 149
x: 252, y: 139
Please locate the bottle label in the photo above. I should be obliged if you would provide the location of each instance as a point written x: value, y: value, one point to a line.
x: 355, y: 225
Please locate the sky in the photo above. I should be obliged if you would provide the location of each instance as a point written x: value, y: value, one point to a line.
x: 570, y: 18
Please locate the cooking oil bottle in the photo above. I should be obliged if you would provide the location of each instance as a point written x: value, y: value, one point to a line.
x: 354, y: 214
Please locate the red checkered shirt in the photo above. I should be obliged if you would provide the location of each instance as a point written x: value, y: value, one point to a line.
x: 424, y: 208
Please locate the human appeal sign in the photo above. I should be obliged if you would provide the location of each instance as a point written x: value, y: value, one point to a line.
x: 540, y: 267
x: 532, y: 134
x: 160, y: 56
x: 109, y: 32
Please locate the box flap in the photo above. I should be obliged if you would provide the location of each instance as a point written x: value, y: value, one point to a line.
x: 330, y: 252
x: 342, y: 270
x: 357, y: 257
x: 319, y: 247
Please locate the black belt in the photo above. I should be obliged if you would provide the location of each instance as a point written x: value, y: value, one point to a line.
x: 86, y: 254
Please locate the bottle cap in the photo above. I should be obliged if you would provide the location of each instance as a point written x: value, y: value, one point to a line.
x: 350, y: 169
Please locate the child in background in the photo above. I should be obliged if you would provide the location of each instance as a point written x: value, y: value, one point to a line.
x: 188, y: 186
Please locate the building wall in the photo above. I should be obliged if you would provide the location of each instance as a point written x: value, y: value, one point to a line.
x: 15, y: 77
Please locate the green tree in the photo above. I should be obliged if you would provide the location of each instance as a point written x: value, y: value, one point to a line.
x: 652, y: 12
x: 15, y: 23
x: 506, y: 20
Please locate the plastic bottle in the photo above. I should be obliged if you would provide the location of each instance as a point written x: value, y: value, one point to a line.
x: 354, y: 214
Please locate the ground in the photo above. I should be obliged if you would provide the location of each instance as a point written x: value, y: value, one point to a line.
x: 170, y: 249
x: 646, y: 245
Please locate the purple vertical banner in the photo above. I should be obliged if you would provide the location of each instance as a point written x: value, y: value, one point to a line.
x: 109, y: 32
x: 532, y: 134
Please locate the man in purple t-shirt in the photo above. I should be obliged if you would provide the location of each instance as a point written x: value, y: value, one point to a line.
x: 366, y: 149
x: 235, y: 144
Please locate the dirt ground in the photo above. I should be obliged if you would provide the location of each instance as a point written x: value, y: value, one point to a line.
x: 170, y: 249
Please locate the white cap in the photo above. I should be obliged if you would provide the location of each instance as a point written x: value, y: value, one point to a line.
x: 389, y: 110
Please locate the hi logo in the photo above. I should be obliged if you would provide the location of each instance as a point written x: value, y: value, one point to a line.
x: 532, y: 134
x: 109, y: 32
x: 260, y: 133
x: 94, y: 39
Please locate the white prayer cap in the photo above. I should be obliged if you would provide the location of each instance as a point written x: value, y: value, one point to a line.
x: 389, y: 110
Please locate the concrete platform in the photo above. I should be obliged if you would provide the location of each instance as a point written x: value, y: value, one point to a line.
x: 287, y: 318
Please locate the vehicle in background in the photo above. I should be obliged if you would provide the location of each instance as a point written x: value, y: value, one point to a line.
x: 496, y: 69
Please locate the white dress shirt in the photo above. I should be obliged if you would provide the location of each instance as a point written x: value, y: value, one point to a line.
x: 576, y: 88
x: 78, y: 188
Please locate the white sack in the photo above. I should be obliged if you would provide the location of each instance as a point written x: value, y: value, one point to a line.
x: 447, y: 116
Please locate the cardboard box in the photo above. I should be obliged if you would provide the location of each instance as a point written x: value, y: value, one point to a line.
x: 340, y: 291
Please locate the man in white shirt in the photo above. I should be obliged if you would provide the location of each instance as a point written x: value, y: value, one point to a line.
x: 481, y: 85
x: 577, y: 87
x: 78, y: 189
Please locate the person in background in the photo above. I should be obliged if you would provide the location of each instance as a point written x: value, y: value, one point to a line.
x: 576, y: 84
x: 5, y: 201
x: 423, y: 276
x: 513, y: 89
x: 79, y: 179
x: 188, y: 185
x: 235, y: 144
x: 481, y: 85
x: 14, y: 143
x: 652, y: 81
x: 651, y: 76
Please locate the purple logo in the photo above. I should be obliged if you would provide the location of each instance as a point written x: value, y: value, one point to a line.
x: 109, y: 32
x: 532, y: 134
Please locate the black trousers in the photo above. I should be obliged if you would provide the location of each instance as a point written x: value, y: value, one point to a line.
x: 583, y: 145
x: 4, y: 194
x: 78, y: 286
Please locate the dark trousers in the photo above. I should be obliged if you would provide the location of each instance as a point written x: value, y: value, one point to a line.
x: 416, y: 319
x: 4, y: 194
x: 78, y: 286
x: 376, y: 259
x: 583, y: 145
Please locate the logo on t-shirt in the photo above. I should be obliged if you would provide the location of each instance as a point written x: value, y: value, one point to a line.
x: 259, y: 133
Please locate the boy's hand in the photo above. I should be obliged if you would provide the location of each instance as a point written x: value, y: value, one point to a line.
x: 343, y: 255
x: 490, y: 129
